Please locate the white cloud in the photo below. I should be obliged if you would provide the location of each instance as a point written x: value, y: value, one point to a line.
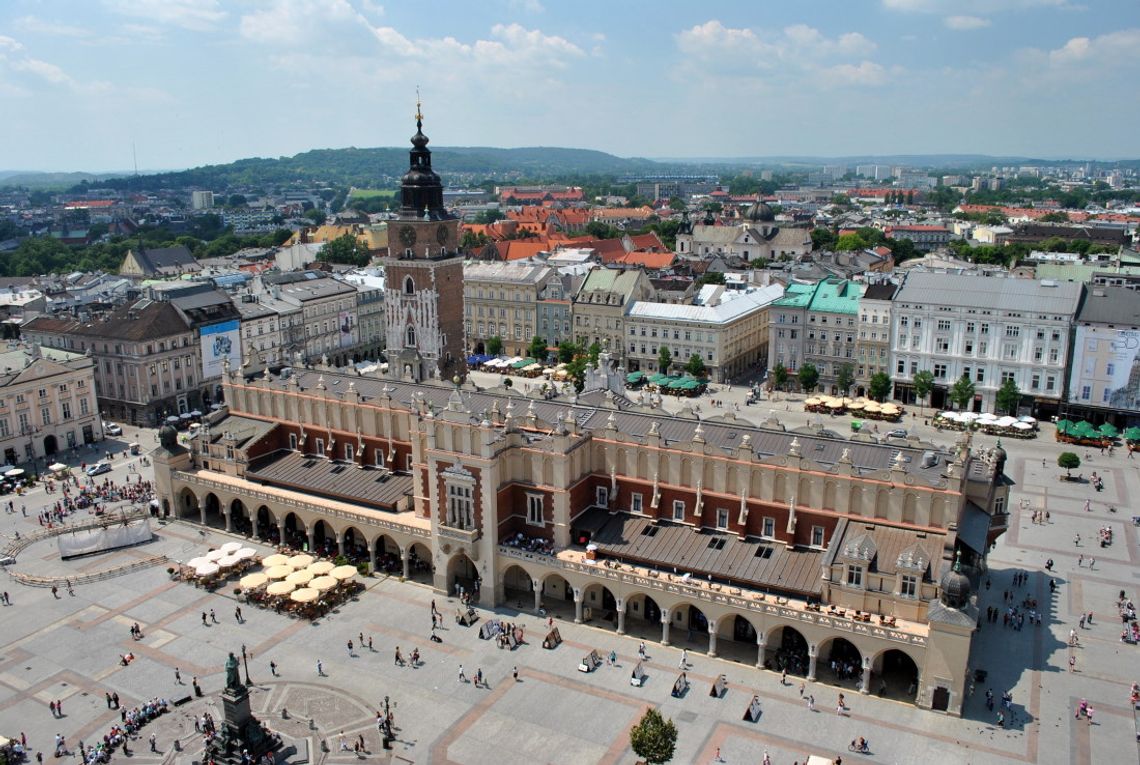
x: 965, y: 23
x: 713, y: 40
x: 195, y: 15
x: 296, y: 21
x: 44, y: 70
x: 863, y: 73
x: 9, y: 44
x: 1108, y: 49
x: 36, y: 25
x: 977, y: 7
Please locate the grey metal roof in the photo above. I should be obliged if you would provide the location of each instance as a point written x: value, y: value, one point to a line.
x: 996, y: 293
x: 337, y: 480
x: 635, y: 426
x: 1111, y: 305
x: 725, y: 556
x: 885, y: 545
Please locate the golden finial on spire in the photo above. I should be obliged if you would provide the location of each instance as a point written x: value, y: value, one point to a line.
x: 419, y: 112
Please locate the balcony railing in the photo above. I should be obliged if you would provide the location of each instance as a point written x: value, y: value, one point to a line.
x: 746, y: 600
x: 468, y: 536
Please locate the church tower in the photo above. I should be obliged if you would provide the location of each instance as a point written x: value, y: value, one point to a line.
x: 423, y: 297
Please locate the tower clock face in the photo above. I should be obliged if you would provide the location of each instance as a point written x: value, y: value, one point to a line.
x: 441, y: 234
x: 407, y: 236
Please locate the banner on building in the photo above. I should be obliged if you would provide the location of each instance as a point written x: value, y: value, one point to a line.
x: 219, y: 343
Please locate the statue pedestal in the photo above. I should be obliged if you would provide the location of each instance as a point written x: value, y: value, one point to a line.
x: 239, y: 730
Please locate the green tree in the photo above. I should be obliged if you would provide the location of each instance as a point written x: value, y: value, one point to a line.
x: 962, y: 392
x: 567, y: 350
x: 236, y: 200
x: 1008, y: 396
x: 822, y: 239
x: 318, y: 217
x: 711, y: 277
x: 473, y: 241
x: 780, y: 376
x: 845, y: 379
x: 880, y: 385
x: 489, y: 216
x: 809, y: 377
x: 346, y: 248
x: 1069, y: 461
x: 676, y: 203
x: 494, y: 345
x: 576, y: 368
x: 850, y: 242
x: 654, y: 739
x: 696, y: 366
x: 537, y: 348
x: 593, y: 352
x: 664, y: 359
x: 923, y: 385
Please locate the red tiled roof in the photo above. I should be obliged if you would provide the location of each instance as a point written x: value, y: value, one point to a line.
x: 521, y: 249
x: 654, y: 260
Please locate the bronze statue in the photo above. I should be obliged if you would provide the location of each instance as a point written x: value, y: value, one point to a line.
x: 233, y: 678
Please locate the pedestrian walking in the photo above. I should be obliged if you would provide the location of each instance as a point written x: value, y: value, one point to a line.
x: 802, y: 690
x: 811, y: 703
x: 462, y: 676
x: 115, y: 698
x: 204, y: 622
x: 349, y: 644
x: 1092, y: 563
x: 153, y: 743
x: 55, y: 592
x: 515, y: 673
x: 320, y: 669
x: 478, y: 677
x: 51, y: 705
x: 273, y: 668
x: 684, y: 659
x: 237, y: 615
x: 178, y: 676
x: 1072, y: 663
x: 1081, y: 560
x: 213, y: 618
x: 370, y: 648
x: 784, y: 677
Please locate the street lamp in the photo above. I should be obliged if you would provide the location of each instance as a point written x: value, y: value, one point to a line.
x: 245, y: 662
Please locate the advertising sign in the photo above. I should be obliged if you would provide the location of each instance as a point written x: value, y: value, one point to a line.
x: 1106, y: 368
x: 347, y: 329
x: 220, y: 342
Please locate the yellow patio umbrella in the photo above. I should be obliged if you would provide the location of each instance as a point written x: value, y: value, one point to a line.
x: 835, y: 403
x: 299, y: 578
x: 890, y: 408
x: 278, y: 572
x: 320, y: 568
x: 280, y: 588
x: 871, y: 406
x: 856, y: 405
x: 813, y: 401
x: 305, y: 595
x: 253, y: 581
x: 322, y: 583
x: 343, y: 572
x: 301, y: 561
x: 277, y: 559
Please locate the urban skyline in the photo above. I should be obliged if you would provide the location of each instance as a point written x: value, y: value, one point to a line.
x: 196, y: 82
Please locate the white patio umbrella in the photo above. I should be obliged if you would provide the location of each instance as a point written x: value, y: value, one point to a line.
x: 230, y: 547
x: 299, y: 578
x: 301, y: 561
x: 321, y: 568
x: 215, y: 555
x: 278, y: 572
x: 343, y: 572
x: 253, y: 581
x: 276, y: 559
x: 280, y: 588
x: 207, y: 569
x: 246, y: 553
x: 322, y: 583
x: 228, y: 560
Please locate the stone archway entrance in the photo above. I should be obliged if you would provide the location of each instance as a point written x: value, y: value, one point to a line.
x: 599, y: 606
x: 239, y: 518
x: 642, y: 617
x: 518, y: 588
x: 50, y: 445
x: 786, y: 649
x: 840, y: 662
x: 324, y: 539
x: 420, y: 568
x: 295, y: 535
x: 896, y: 675
x: 267, y: 525
x: 690, y: 627
x: 214, y: 515
x: 388, y: 555
x: 187, y: 505
x: 558, y: 596
x: 462, y: 576
x: 355, y: 545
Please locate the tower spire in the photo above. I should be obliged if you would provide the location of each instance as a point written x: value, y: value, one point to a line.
x: 419, y: 111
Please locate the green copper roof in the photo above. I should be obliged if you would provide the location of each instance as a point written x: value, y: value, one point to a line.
x: 836, y: 297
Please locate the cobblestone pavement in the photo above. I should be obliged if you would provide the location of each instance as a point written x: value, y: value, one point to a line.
x: 68, y: 649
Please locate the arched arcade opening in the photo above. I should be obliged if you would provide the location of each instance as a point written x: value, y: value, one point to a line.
x: 463, y: 576
x: 239, y: 518
x: 599, y: 606
x: 894, y: 675
x: 388, y: 555
x: 786, y: 649
x: 420, y: 568
x: 840, y: 662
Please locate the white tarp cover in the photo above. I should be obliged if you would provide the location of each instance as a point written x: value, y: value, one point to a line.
x: 109, y: 537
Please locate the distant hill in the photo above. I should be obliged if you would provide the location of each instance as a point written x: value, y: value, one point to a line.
x: 38, y: 180
x: 379, y: 167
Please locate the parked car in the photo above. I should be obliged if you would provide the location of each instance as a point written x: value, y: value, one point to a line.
x: 99, y: 468
x: 112, y: 429
x: 897, y: 433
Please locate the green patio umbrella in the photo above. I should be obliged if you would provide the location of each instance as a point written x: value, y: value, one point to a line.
x: 635, y: 377
x: 1064, y: 426
x: 1132, y: 434
x: 1084, y: 429
x: 1109, y: 430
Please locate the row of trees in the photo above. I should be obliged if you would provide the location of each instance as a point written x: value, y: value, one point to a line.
x: 961, y: 393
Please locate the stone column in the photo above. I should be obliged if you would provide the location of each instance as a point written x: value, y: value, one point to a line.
x: 280, y: 532
x: 577, y: 606
x: 537, y: 587
x: 665, y: 621
x: 372, y: 557
x: 202, y: 513
x: 811, y: 661
x: 406, y: 559
x: 229, y: 522
x: 712, y: 638
x: 253, y: 525
x: 760, y: 650
x: 620, y: 617
x: 312, y: 532
x: 865, y: 686
x: 339, y: 543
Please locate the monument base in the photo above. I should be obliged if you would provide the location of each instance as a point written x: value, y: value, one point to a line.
x: 241, y: 736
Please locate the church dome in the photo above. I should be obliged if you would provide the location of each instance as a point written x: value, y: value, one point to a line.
x: 955, y: 587
x: 168, y: 436
x: 760, y: 212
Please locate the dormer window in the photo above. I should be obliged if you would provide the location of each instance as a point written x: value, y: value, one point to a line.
x: 854, y: 576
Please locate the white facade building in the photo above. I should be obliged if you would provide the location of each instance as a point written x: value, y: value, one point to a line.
x: 987, y: 328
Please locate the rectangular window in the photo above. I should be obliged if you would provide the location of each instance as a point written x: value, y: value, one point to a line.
x: 908, y: 586
x: 349, y: 453
x: 769, y: 527
x: 721, y: 518
x: 4, y: 430
x: 981, y: 375
x: 943, y: 325
x: 602, y: 496
x: 637, y: 503
x: 854, y: 576
x: 66, y: 407
x: 45, y: 416
x: 293, y: 441
x: 678, y: 510
x: 1013, y: 331
x: 534, y: 509
x: 817, y: 536
x: 320, y: 446
x: 460, y: 507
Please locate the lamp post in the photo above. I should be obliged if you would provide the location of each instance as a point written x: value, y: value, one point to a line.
x: 245, y: 662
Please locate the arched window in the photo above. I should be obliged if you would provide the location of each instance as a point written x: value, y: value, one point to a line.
x: 410, y: 337
x: 409, y: 285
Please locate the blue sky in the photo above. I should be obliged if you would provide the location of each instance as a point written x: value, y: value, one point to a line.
x: 192, y: 82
